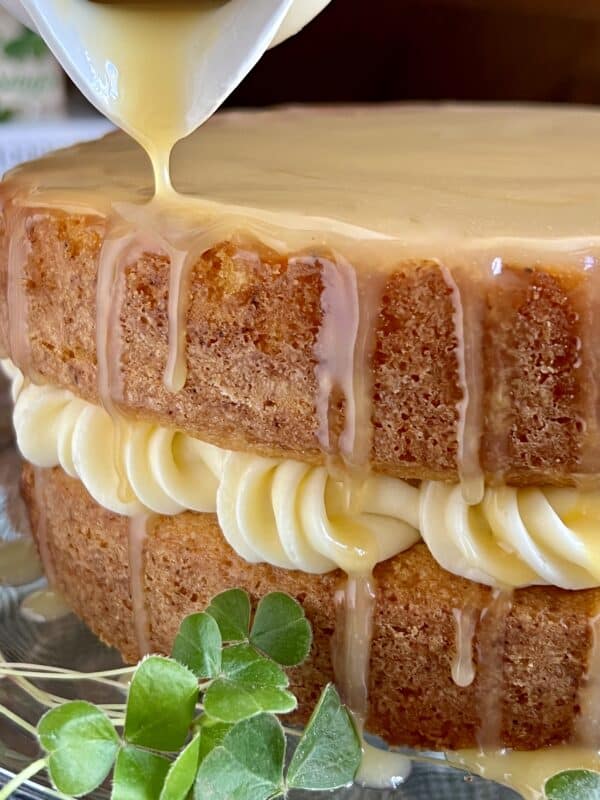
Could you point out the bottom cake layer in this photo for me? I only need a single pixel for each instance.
(530, 652)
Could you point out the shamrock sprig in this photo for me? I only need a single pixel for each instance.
(203, 723)
(573, 784)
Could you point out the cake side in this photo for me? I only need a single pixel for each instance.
(252, 323)
(448, 333)
(535, 673)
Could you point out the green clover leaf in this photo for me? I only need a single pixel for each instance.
(281, 629)
(182, 772)
(329, 752)
(231, 611)
(82, 744)
(576, 784)
(228, 702)
(198, 645)
(248, 765)
(250, 684)
(243, 664)
(161, 703)
(212, 734)
(139, 774)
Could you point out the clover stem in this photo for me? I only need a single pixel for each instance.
(196, 722)
(40, 695)
(292, 732)
(51, 675)
(14, 783)
(22, 666)
(22, 723)
(113, 710)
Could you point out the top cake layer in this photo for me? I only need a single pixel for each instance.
(415, 287)
(425, 175)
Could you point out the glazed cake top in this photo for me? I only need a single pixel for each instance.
(481, 176)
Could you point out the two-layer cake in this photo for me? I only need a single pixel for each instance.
(373, 345)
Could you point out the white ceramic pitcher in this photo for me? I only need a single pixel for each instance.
(299, 15)
(249, 28)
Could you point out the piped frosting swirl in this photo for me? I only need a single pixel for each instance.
(516, 536)
(295, 516)
(283, 512)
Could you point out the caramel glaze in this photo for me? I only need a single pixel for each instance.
(589, 350)
(17, 221)
(118, 245)
(463, 668)
(587, 730)
(350, 302)
(490, 649)
(351, 645)
(468, 331)
(139, 529)
(344, 348)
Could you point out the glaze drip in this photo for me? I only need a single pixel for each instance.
(350, 303)
(117, 247)
(334, 352)
(17, 306)
(184, 247)
(499, 413)
(463, 668)
(351, 646)
(468, 331)
(138, 533)
(587, 727)
(176, 367)
(490, 660)
(589, 349)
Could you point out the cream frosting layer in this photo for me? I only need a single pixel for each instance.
(295, 516)
(283, 512)
(515, 537)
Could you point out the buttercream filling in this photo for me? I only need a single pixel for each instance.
(294, 515)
